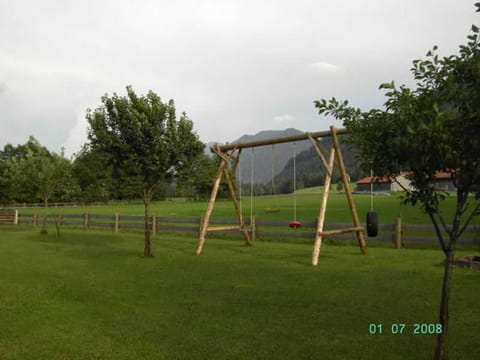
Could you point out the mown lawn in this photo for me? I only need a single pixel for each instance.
(387, 207)
(90, 295)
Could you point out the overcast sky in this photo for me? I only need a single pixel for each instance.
(235, 67)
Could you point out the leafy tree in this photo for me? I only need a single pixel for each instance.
(39, 175)
(9, 187)
(435, 127)
(144, 141)
(94, 176)
(196, 179)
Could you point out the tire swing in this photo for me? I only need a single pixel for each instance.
(295, 224)
(372, 216)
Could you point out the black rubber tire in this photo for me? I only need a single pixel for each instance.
(372, 224)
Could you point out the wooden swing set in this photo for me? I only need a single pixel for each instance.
(229, 158)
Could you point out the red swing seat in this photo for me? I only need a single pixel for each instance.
(295, 224)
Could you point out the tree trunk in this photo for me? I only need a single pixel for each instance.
(44, 231)
(440, 348)
(148, 244)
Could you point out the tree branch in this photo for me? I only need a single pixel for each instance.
(439, 233)
(444, 224)
(403, 187)
(469, 218)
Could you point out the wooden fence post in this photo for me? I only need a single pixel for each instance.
(116, 222)
(154, 224)
(253, 228)
(35, 220)
(398, 233)
(15, 219)
(85, 221)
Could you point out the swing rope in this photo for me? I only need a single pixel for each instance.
(372, 217)
(240, 189)
(252, 167)
(274, 191)
(295, 224)
(371, 189)
(294, 182)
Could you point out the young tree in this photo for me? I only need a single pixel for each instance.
(12, 186)
(435, 127)
(144, 140)
(43, 174)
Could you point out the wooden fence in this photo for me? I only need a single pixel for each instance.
(54, 204)
(8, 216)
(398, 234)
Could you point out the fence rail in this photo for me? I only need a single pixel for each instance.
(397, 234)
(8, 216)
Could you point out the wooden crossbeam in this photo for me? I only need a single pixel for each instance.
(279, 140)
(340, 231)
(223, 228)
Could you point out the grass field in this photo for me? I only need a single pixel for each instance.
(90, 295)
(308, 203)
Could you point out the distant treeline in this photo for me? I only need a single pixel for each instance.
(88, 177)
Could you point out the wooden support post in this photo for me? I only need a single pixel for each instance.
(211, 204)
(398, 233)
(348, 191)
(233, 195)
(15, 219)
(316, 147)
(116, 222)
(200, 224)
(323, 208)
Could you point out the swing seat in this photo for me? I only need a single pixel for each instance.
(271, 210)
(295, 224)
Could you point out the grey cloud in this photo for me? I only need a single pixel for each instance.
(234, 67)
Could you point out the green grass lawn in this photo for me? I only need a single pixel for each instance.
(387, 207)
(90, 295)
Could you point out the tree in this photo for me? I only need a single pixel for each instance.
(94, 176)
(144, 140)
(196, 179)
(40, 174)
(10, 189)
(435, 127)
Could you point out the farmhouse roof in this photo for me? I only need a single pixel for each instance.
(442, 175)
(374, 179)
(384, 180)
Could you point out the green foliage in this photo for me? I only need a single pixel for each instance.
(143, 139)
(432, 128)
(36, 174)
(94, 175)
(195, 180)
(435, 127)
(145, 144)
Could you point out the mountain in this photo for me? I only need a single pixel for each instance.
(267, 159)
(310, 170)
(278, 160)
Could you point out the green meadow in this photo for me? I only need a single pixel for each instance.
(91, 295)
(388, 207)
